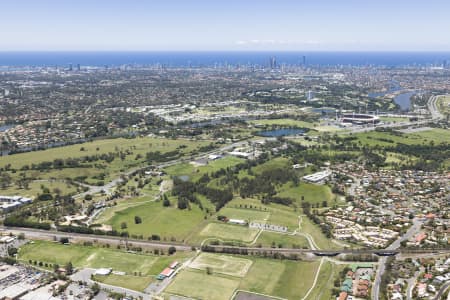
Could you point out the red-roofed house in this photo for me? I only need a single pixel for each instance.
(420, 237)
(167, 272)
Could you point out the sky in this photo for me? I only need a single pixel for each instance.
(224, 25)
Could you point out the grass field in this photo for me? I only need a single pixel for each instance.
(279, 214)
(280, 278)
(35, 188)
(199, 285)
(312, 193)
(167, 222)
(393, 119)
(132, 152)
(328, 273)
(437, 135)
(443, 104)
(384, 138)
(94, 257)
(194, 173)
(138, 145)
(137, 283)
(229, 232)
(224, 264)
(266, 239)
(244, 214)
(319, 238)
(279, 162)
(286, 279)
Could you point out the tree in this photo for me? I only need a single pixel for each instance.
(64, 240)
(95, 288)
(123, 225)
(209, 270)
(172, 250)
(12, 251)
(137, 220)
(166, 202)
(69, 268)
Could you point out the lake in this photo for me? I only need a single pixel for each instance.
(404, 100)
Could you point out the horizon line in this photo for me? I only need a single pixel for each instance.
(229, 50)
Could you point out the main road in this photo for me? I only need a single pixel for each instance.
(414, 229)
(433, 108)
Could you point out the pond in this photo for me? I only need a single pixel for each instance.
(282, 132)
(184, 177)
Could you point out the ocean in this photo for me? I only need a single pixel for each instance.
(202, 59)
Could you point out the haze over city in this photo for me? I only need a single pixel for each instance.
(326, 25)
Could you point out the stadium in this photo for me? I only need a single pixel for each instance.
(359, 118)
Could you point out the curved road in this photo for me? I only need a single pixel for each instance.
(442, 291)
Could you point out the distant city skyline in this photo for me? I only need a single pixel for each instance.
(234, 25)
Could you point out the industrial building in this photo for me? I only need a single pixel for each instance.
(317, 177)
(9, 203)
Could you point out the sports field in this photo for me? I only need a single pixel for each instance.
(280, 278)
(286, 279)
(199, 285)
(224, 264)
(137, 283)
(229, 232)
(93, 257)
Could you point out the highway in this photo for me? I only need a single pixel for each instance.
(433, 108)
